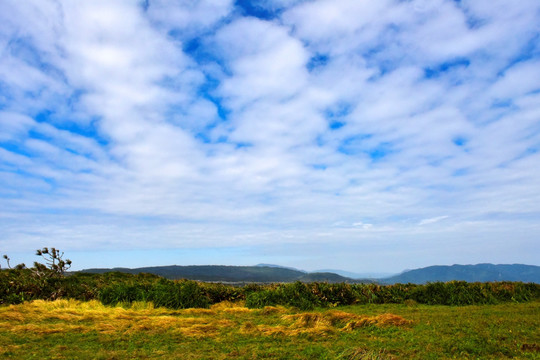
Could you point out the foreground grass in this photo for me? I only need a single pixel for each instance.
(68, 329)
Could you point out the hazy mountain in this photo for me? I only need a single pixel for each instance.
(470, 273)
(279, 266)
(354, 275)
(259, 273)
(266, 273)
(325, 277)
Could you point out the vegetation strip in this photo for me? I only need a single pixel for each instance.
(49, 282)
(19, 285)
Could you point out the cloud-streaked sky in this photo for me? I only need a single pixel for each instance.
(362, 135)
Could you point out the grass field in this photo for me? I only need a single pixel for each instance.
(70, 329)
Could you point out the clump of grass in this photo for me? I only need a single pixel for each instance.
(249, 328)
(339, 318)
(308, 320)
(365, 354)
(382, 320)
(199, 312)
(231, 307)
(271, 310)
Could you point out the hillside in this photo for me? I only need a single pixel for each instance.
(326, 277)
(215, 273)
(470, 273)
(354, 275)
(258, 273)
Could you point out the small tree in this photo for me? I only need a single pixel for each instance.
(54, 265)
(17, 267)
(54, 262)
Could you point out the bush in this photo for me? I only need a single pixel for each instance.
(164, 293)
(123, 293)
(262, 298)
(366, 293)
(296, 294)
(178, 295)
(219, 292)
(333, 294)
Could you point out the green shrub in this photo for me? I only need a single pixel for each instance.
(219, 292)
(299, 295)
(333, 294)
(296, 294)
(262, 298)
(123, 293)
(178, 295)
(366, 293)
(163, 293)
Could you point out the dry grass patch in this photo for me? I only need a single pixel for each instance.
(70, 316)
(343, 320)
(48, 317)
(382, 320)
(271, 310)
(321, 324)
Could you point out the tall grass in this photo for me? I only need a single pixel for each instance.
(163, 293)
(17, 286)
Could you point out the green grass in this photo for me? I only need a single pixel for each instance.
(70, 329)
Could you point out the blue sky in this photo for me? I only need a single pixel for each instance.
(369, 136)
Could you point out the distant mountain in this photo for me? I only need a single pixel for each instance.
(267, 273)
(325, 277)
(215, 273)
(470, 273)
(353, 275)
(259, 273)
(279, 266)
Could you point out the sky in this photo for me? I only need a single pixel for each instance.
(362, 135)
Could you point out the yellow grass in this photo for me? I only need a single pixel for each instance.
(68, 329)
(62, 316)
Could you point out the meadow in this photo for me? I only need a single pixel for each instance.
(70, 329)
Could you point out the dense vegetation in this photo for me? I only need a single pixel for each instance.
(19, 285)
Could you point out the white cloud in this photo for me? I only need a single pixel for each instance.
(362, 225)
(14, 125)
(264, 60)
(520, 79)
(189, 16)
(192, 125)
(432, 220)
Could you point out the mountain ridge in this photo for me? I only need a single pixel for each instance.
(266, 273)
(230, 273)
(484, 272)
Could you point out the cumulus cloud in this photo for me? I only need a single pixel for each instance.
(210, 123)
